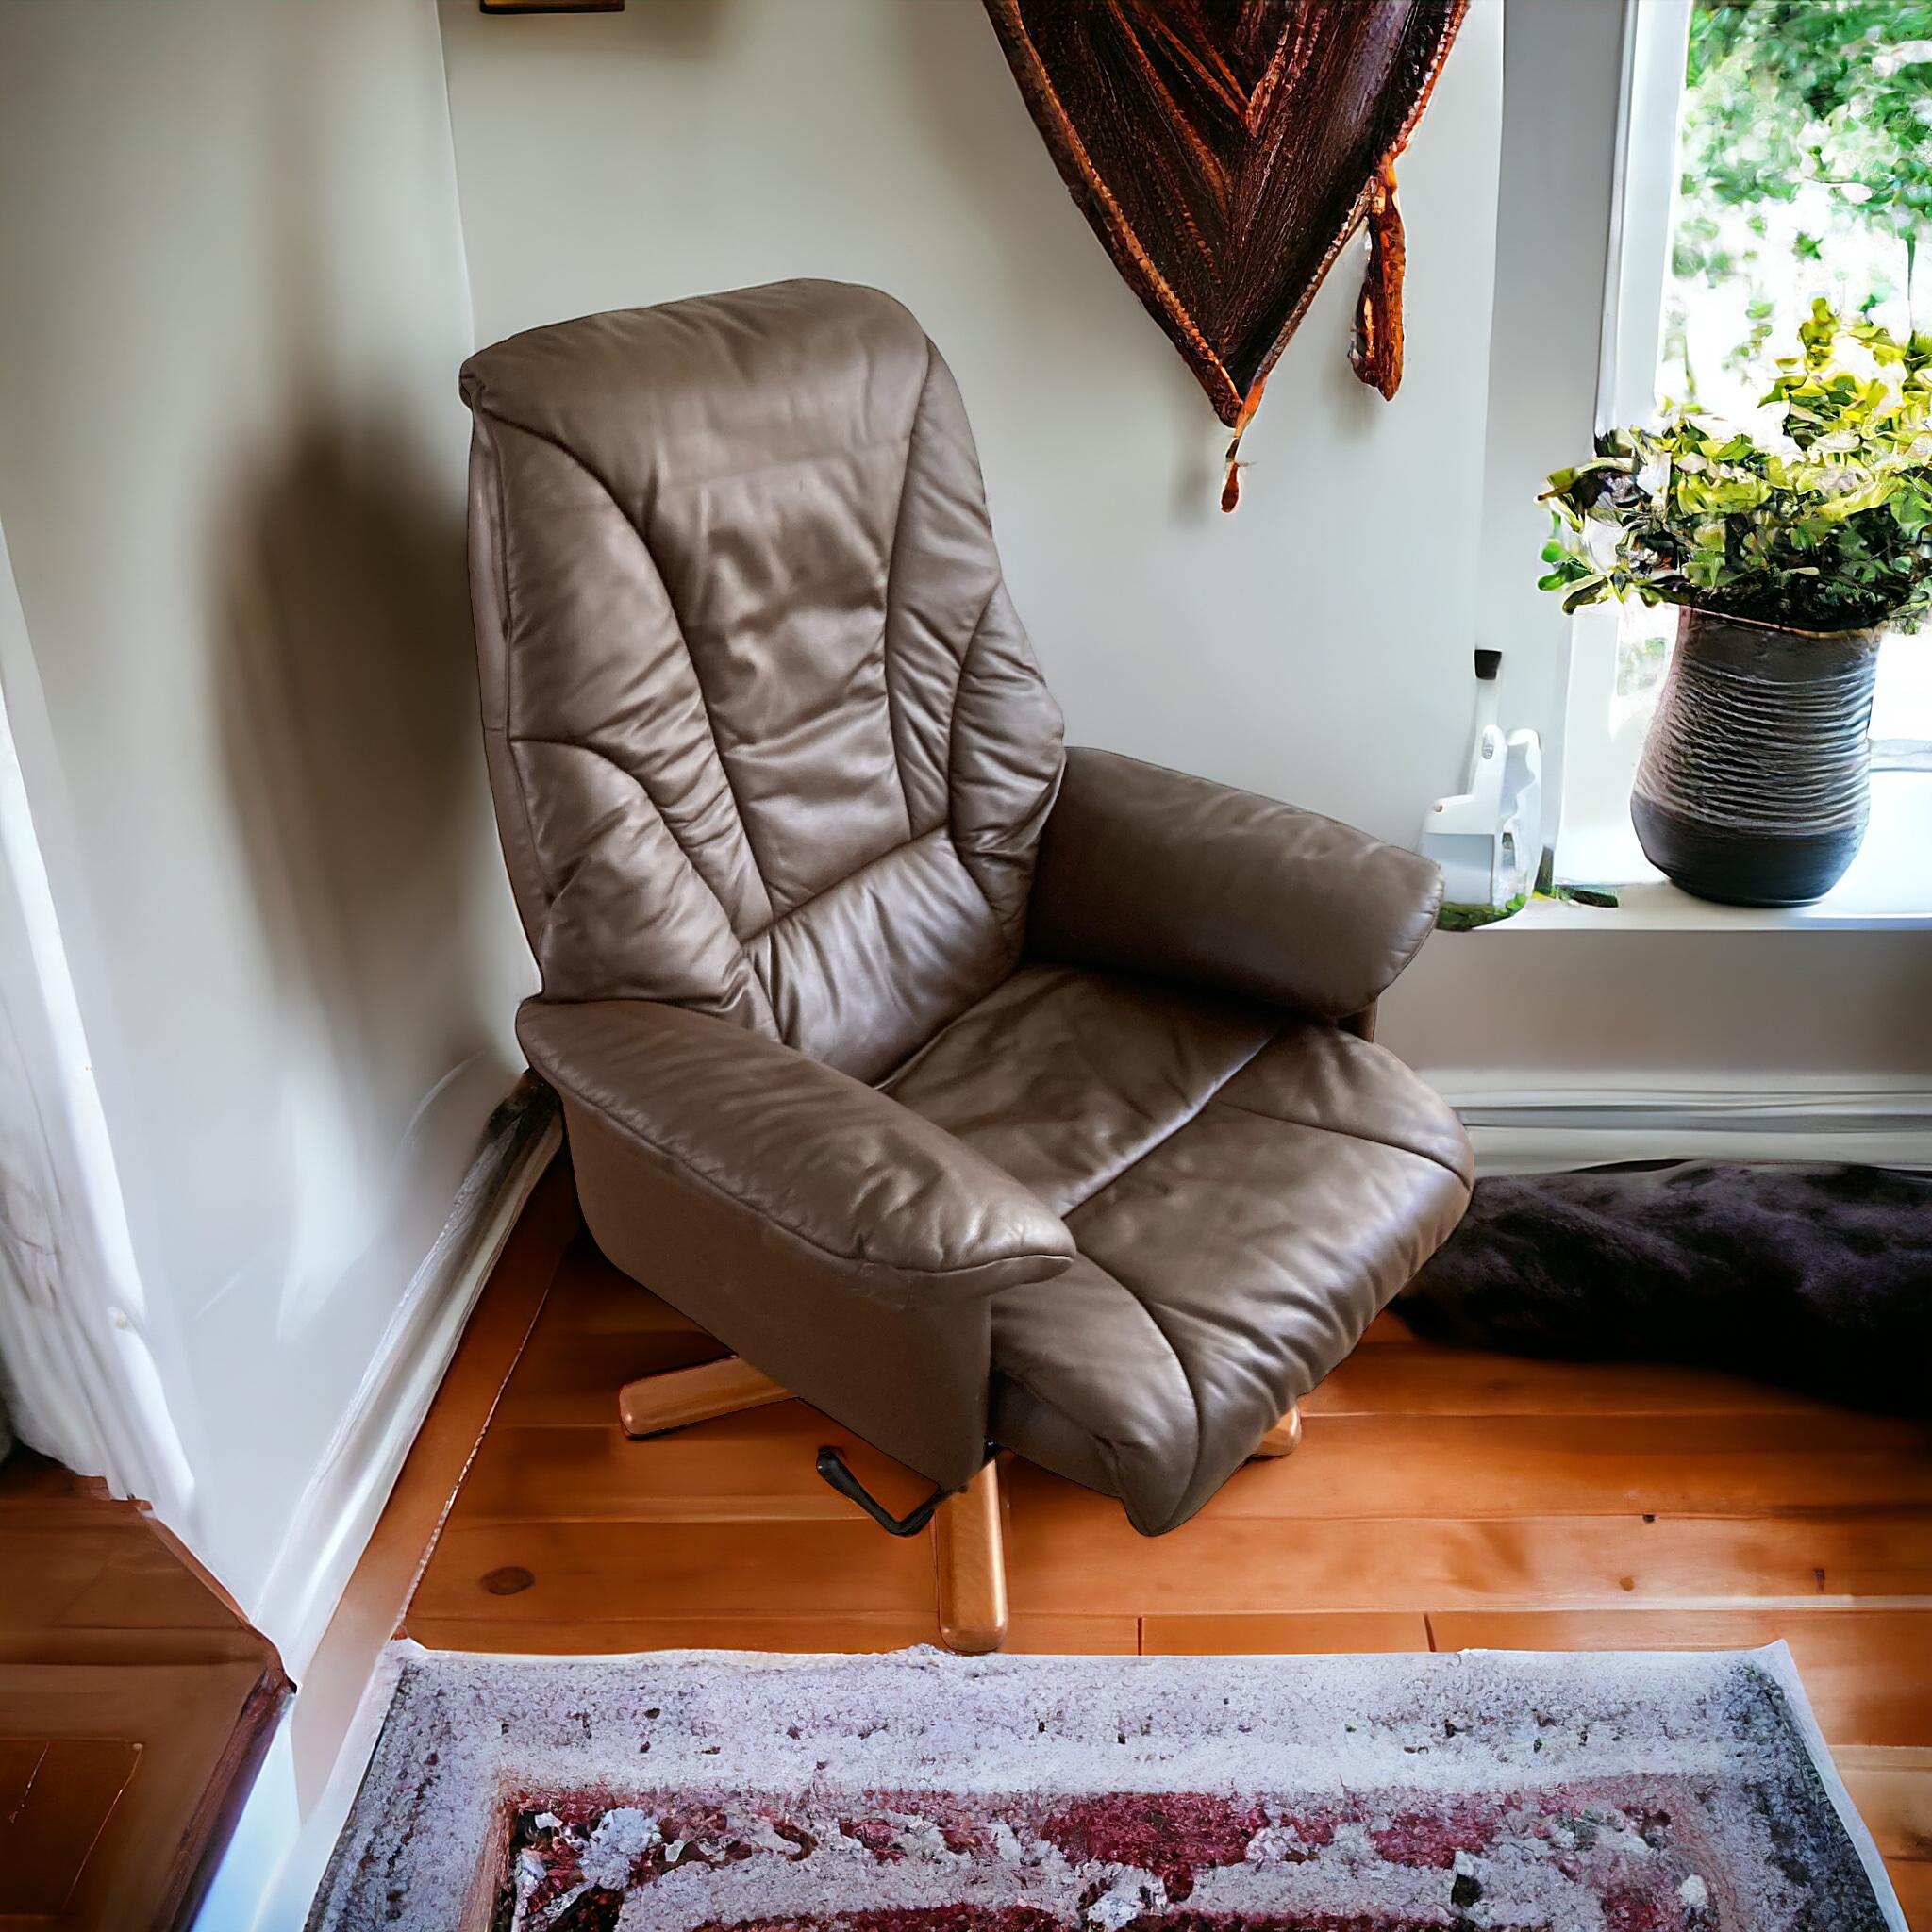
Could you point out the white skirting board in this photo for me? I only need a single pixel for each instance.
(339, 1509)
(1545, 1131)
(261, 1881)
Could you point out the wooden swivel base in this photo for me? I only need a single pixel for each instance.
(968, 1544)
(1285, 1438)
(657, 1402)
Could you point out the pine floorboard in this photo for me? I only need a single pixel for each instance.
(1442, 1499)
(135, 1704)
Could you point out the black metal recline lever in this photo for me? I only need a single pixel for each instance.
(833, 1467)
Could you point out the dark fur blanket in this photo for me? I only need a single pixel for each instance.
(1816, 1277)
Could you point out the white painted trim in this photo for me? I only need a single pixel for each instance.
(1599, 763)
(278, 1852)
(1551, 1150)
(1588, 1122)
(1643, 205)
(345, 1497)
(1769, 1096)
(1563, 104)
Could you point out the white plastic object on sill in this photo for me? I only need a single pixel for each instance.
(1488, 838)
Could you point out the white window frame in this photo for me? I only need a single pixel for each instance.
(1596, 842)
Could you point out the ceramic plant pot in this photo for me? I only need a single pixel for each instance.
(1755, 784)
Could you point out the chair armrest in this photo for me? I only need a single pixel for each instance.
(748, 1141)
(1149, 871)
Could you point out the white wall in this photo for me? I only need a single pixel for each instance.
(232, 305)
(1316, 643)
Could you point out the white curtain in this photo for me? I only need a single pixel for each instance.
(75, 1361)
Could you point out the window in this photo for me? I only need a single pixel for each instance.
(1772, 151)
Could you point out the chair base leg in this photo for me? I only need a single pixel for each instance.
(968, 1550)
(655, 1403)
(1285, 1438)
(970, 1566)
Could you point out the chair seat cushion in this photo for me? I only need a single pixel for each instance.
(1247, 1189)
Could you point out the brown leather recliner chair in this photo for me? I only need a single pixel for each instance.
(976, 1093)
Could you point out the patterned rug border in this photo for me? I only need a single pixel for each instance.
(764, 1677)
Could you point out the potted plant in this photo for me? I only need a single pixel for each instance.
(1791, 554)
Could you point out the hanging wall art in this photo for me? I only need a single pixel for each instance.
(1225, 150)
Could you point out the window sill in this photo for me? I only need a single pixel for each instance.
(1888, 888)
(1657, 905)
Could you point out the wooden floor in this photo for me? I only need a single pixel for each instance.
(1439, 1500)
(134, 1704)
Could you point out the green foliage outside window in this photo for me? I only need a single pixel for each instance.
(1818, 110)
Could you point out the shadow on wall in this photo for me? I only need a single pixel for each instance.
(347, 700)
(346, 696)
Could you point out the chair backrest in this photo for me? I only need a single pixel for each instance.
(765, 736)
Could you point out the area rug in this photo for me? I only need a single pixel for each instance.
(922, 1792)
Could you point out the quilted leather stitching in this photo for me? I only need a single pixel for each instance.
(554, 889)
(1125, 1280)
(891, 1273)
(951, 747)
(508, 620)
(1181, 1126)
(573, 456)
(724, 763)
(886, 628)
(753, 939)
(973, 863)
(1289, 1120)
(968, 661)
(1126, 1283)
(1160, 1328)
(1216, 1100)
(1109, 1449)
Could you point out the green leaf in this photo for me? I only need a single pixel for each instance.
(1715, 515)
